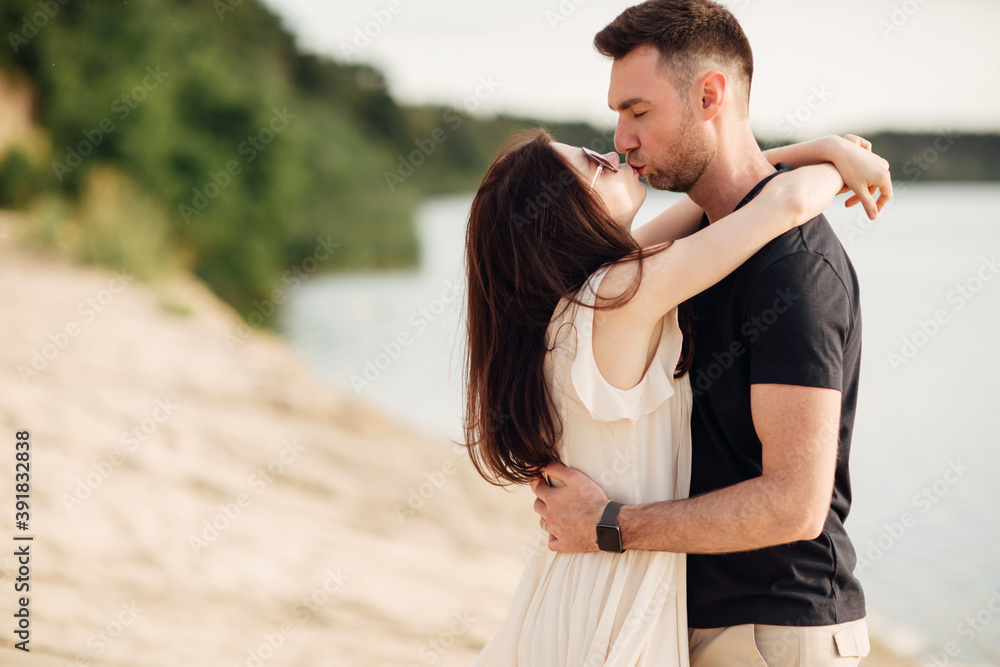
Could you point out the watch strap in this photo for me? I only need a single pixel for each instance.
(610, 516)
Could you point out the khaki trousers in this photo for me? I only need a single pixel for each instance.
(841, 645)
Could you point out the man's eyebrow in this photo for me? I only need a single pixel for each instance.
(629, 103)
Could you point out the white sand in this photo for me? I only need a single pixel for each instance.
(330, 517)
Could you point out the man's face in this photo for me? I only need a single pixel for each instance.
(657, 125)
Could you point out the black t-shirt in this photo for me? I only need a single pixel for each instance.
(790, 315)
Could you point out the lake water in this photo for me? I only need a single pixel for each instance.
(926, 455)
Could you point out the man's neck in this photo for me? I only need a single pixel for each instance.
(734, 172)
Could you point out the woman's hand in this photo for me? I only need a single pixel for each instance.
(863, 171)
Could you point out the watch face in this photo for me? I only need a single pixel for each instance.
(609, 538)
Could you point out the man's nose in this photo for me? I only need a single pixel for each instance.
(625, 142)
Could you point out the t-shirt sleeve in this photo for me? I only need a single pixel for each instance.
(797, 323)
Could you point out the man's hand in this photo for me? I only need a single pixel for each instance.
(569, 513)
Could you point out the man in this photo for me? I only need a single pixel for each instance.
(775, 374)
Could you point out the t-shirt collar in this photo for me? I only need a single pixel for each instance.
(780, 167)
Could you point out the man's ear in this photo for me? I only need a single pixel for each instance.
(711, 90)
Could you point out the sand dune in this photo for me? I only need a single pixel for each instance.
(196, 505)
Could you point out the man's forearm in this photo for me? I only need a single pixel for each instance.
(750, 515)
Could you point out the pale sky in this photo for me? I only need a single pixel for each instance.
(862, 65)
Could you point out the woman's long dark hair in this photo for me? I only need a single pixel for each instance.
(535, 235)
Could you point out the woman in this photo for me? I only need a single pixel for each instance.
(576, 354)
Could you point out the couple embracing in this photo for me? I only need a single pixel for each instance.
(680, 397)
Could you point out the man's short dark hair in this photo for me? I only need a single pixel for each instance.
(687, 33)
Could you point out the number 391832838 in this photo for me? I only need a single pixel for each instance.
(22, 480)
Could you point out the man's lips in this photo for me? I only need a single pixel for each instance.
(638, 168)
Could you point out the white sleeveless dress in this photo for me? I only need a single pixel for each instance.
(615, 610)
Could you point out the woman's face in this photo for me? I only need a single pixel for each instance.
(622, 192)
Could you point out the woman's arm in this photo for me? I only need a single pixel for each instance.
(814, 151)
(851, 155)
(693, 264)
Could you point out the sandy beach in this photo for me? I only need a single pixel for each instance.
(196, 504)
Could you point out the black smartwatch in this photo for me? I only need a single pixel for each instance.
(609, 535)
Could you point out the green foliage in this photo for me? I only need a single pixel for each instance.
(17, 179)
(239, 150)
(464, 144)
(115, 224)
(120, 226)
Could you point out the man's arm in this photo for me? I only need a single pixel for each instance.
(790, 501)
(798, 428)
(794, 367)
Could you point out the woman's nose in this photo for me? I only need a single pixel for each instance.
(613, 158)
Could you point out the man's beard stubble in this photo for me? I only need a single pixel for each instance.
(686, 162)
